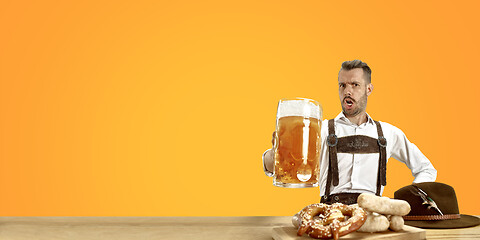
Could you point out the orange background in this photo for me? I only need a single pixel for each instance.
(164, 108)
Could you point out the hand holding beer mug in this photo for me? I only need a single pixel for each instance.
(297, 143)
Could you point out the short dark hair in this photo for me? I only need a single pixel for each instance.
(349, 65)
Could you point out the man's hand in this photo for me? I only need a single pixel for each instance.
(268, 160)
(269, 157)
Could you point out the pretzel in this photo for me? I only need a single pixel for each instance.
(383, 205)
(321, 220)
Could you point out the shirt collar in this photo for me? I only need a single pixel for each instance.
(342, 118)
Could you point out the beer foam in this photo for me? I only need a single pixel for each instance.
(300, 107)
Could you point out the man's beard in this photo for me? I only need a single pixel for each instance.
(360, 106)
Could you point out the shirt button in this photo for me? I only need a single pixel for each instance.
(336, 198)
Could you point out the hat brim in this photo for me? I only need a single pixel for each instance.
(463, 222)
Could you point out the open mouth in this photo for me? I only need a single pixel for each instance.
(348, 101)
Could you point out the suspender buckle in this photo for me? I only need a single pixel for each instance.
(332, 140)
(382, 141)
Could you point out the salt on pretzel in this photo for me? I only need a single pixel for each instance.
(383, 205)
(321, 220)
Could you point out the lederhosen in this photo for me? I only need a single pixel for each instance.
(353, 144)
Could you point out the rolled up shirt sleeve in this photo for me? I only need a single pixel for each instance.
(405, 151)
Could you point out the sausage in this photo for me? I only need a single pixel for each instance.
(383, 205)
(396, 223)
(375, 223)
(296, 220)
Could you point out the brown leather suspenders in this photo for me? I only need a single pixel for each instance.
(332, 142)
(382, 164)
(355, 144)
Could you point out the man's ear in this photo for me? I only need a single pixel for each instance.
(369, 89)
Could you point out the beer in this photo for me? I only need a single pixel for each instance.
(297, 145)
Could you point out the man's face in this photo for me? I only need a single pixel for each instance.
(353, 91)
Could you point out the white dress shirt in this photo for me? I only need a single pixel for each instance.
(358, 172)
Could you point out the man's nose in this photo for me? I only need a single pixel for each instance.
(348, 91)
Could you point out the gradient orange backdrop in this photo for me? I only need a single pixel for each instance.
(163, 108)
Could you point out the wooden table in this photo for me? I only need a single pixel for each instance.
(118, 228)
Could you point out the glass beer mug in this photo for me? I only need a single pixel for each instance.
(297, 143)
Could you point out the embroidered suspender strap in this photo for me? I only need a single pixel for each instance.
(382, 163)
(357, 144)
(332, 141)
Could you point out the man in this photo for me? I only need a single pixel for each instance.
(355, 148)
